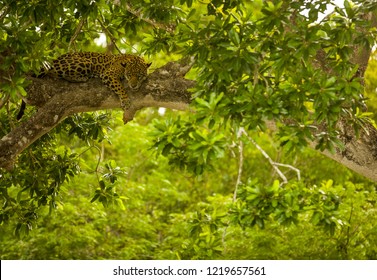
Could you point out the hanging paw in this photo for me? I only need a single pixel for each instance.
(128, 115)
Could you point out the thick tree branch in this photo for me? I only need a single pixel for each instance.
(57, 99)
(360, 153)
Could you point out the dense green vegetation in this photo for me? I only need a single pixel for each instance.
(178, 185)
(168, 214)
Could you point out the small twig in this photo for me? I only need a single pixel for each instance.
(78, 29)
(138, 14)
(240, 164)
(4, 12)
(239, 176)
(100, 155)
(4, 100)
(282, 176)
(112, 39)
(290, 167)
(273, 163)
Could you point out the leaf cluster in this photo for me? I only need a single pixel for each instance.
(188, 146)
(254, 61)
(257, 204)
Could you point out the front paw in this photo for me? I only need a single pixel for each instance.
(128, 116)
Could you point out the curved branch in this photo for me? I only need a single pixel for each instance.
(360, 153)
(57, 99)
(167, 27)
(78, 30)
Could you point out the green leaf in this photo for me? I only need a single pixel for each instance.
(102, 184)
(234, 37)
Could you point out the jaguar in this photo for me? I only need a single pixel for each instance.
(111, 69)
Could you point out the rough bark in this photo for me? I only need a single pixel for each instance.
(57, 99)
(360, 153)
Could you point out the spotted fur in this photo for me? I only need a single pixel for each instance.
(112, 69)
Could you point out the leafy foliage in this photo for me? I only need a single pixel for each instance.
(94, 189)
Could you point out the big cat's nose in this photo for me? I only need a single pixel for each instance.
(133, 82)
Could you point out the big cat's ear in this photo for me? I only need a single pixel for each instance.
(149, 64)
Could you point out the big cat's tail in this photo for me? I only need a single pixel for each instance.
(42, 73)
(22, 110)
